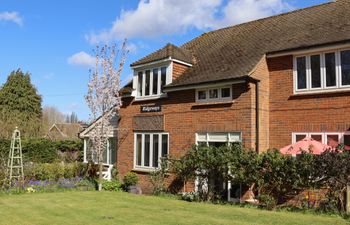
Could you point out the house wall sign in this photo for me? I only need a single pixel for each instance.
(151, 108)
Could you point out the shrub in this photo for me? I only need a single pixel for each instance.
(190, 196)
(157, 178)
(112, 185)
(130, 179)
(267, 202)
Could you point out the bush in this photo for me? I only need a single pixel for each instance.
(54, 171)
(190, 196)
(267, 202)
(45, 151)
(112, 185)
(130, 179)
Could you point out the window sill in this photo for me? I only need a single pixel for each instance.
(144, 170)
(141, 99)
(198, 103)
(324, 92)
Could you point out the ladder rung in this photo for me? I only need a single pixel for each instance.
(16, 166)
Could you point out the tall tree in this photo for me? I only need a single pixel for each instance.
(103, 97)
(20, 105)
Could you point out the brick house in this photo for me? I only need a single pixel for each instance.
(264, 83)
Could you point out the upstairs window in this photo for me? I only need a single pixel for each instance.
(150, 82)
(214, 94)
(330, 70)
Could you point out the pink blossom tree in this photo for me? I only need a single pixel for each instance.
(103, 97)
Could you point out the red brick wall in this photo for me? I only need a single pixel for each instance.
(261, 73)
(178, 69)
(305, 113)
(183, 118)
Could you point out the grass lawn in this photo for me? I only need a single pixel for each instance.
(122, 208)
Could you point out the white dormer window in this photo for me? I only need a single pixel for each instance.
(151, 81)
(322, 71)
(214, 94)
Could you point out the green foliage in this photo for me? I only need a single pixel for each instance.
(157, 178)
(272, 176)
(44, 150)
(112, 185)
(20, 105)
(130, 179)
(54, 171)
(267, 201)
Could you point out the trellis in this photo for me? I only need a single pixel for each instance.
(15, 161)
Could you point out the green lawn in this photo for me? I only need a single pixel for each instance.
(122, 208)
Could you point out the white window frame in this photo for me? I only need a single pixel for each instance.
(340, 71)
(324, 135)
(108, 153)
(150, 167)
(228, 139)
(218, 99)
(323, 88)
(142, 96)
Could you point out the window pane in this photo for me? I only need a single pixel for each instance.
(225, 92)
(330, 69)
(213, 93)
(164, 145)
(345, 67)
(317, 137)
(147, 150)
(301, 72)
(155, 150)
(299, 137)
(347, 141)
(217, 144)
(147, 84)
(162, 78)
(155, 82)
(138, 149)
(112, 150)
(332, 140)
(202, 144)
(202, 95)
(139, 84)
(315, 71)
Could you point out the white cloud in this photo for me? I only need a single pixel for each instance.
(154, 18)
(11, 17)
(239, 11)
(158, 17)
(82, 59)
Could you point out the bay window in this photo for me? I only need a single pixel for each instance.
(150, 82)
(330, 70)
(149, 149)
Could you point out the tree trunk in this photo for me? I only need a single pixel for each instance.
(348, 198)
(100, 176)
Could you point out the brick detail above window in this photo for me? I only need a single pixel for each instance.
(148, 123)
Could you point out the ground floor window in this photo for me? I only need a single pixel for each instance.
(217, 139)
(109, 155)
(332, 139)
(149, 148)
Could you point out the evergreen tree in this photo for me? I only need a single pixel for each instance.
(20, 105)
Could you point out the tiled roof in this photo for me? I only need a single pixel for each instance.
(167, 51)
(233, 52)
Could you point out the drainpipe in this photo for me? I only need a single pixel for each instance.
(257, 119)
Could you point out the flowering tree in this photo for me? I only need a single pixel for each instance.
(103, 97)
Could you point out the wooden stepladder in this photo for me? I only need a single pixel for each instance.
(15, 161)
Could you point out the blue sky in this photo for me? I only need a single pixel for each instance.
(53, 40)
